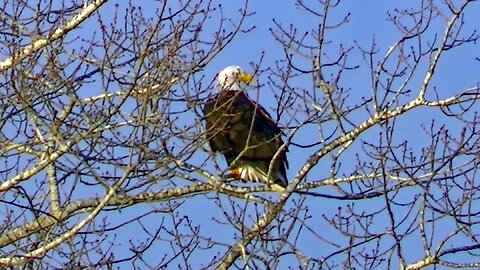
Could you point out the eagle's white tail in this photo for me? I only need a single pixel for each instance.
(255, 174)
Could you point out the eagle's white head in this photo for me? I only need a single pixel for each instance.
(233, 78)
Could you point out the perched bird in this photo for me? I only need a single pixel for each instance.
(242, 131)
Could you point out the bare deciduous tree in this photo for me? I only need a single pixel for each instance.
(106, 165)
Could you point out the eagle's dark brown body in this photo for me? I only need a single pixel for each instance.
(244, 133)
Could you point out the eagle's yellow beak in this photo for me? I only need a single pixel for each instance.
(245, 78)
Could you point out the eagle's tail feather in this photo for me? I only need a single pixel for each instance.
(255, 174)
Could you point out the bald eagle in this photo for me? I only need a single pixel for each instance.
(242, 131)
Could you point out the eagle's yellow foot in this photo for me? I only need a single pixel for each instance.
(235, 174)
